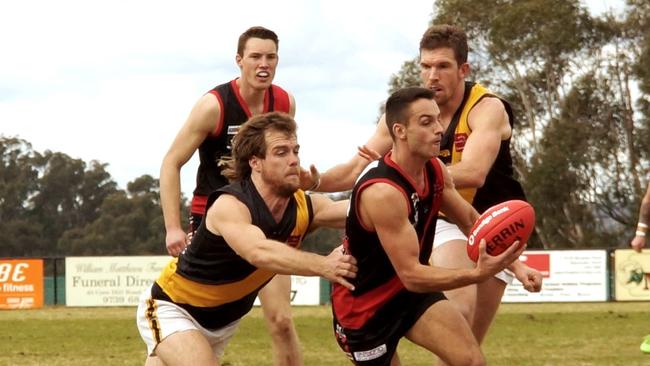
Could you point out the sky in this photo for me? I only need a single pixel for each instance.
(114, 81)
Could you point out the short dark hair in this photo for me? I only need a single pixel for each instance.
(250, 141)
(256, 32)
(446, 35)
(399, 102)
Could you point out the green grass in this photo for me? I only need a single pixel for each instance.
(523, 334)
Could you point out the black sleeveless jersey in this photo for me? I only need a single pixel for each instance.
(377, 282)
(234, 112)
(212, 282)
(500, 184)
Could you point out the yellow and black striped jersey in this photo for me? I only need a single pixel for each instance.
(209, 280)
(500, 185)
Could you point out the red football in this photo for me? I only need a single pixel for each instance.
(500, 226)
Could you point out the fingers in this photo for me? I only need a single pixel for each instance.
(368, 153)
(314, 172)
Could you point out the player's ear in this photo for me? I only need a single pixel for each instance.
(238, 59)
(399, 130)
(255, 163)
(464, 70)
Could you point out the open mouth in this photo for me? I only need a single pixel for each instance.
(263, 74)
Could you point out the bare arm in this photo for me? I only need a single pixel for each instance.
(342, 177)
(231, 219)
(328, 213)
(292, 106)
(399, 240)
(639, 241)
(454, 206)
(201, 122)
(489, 123)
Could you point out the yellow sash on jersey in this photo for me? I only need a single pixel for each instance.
(185, 291)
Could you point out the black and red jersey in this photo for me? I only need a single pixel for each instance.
(377, 282)
(234, 112)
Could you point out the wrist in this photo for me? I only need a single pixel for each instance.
(641, 229)
(316, 184)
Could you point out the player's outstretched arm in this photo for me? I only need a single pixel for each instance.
(328, 213)
(231, 219)
(342, 177)
(201, 122)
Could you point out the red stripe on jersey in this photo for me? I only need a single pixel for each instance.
(222, 112)
(281, 101)
(240, 99)
(389, 161)
(365, 185)
(353, 312)
(198, 204)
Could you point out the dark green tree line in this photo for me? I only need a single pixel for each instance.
(52, 204)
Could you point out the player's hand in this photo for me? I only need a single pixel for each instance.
(339, 267)
(368, 153)
(638, 243)
(529, 277)
(309, 178)
(488, 265)
(176, 241)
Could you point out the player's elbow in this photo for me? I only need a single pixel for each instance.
(412, 281)
(257, 258)
(477, 180)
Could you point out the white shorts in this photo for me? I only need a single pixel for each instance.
(446, 231)
(157, 319)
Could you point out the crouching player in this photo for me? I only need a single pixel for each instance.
(251, 231)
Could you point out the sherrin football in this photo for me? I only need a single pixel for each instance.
(500, 226)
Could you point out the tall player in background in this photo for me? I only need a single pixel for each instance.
(210, 127)
(476, 148)
(638, 243)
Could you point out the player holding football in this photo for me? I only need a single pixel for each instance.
(476, 147)
(396, 292)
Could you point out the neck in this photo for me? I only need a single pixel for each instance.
(448, 109)
(411, 165)
(276, 203)
(254, 98)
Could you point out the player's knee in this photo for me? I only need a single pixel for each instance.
(281, 324)
(472, 358)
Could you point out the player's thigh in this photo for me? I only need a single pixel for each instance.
(452, 254)
(186, 348)
(275, 297)
(442, 330)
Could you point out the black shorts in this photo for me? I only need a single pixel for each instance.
(376, 341)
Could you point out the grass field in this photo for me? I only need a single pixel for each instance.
(523, 334)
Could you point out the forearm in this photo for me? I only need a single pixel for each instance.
(466, 176)
(170, 198)
(280, 258)
(342, 177)
(431, 278)
(644, 217)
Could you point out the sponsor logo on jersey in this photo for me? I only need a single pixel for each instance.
(459, 141)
